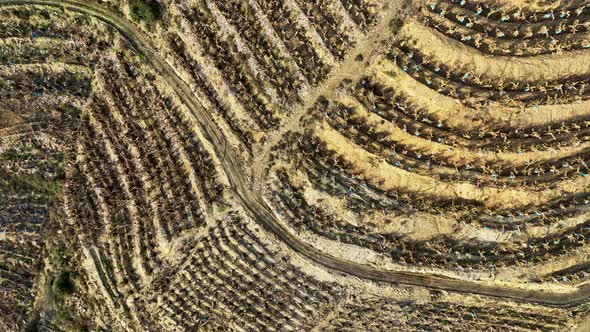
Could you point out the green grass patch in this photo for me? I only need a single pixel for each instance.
(20, 154)
(57, 287)
(31, 182)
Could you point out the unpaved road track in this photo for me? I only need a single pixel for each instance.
(235, 171)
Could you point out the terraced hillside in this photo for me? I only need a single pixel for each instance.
(294, 165)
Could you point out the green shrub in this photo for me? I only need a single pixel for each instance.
(145, 10)
(33, 325)
(63, 284)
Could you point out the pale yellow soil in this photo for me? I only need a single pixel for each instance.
(373, 43)
(536, 5)
(459, 155)
(530, 69)
(583, 325)
(455, 114)
(393, 178)
(419, 226)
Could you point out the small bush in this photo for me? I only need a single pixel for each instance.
(33, 325)
(145, 10)
(63, 284)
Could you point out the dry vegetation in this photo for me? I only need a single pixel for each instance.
(438, 139)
